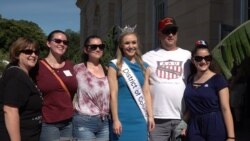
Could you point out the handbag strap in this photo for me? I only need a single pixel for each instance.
(56, 76)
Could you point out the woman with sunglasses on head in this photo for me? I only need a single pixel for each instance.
(206, 96)
(56, 80)
(20, 100)
(128, 75)
(92, 97)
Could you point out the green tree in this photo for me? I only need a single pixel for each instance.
(74, 51)
(3, 59)
(10, 30)
(111, 45)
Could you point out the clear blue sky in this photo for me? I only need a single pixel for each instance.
(48, 14)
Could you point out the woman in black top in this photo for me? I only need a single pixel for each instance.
(20, 100)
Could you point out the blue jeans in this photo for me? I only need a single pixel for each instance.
(61, 131)
(90, 128)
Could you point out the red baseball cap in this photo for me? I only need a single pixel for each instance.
(201, 43)
(167, 23)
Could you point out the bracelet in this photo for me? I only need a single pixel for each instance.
(231, 138)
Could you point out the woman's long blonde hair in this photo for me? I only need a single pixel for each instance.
(120, 54)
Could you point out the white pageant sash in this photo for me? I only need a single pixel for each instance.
(134, 87)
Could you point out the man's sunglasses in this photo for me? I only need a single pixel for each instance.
(59, 41)
(94, 47)
(169, 31)
(207, 58)
(29, 51)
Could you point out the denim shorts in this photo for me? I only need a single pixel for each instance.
(61, 131)
(89, 128)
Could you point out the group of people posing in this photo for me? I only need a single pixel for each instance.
(167, 94)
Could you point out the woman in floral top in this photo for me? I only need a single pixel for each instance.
(90, 121)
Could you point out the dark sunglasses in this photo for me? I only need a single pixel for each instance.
(29, 51)
(94, 47)
(207, 58)
(169, 31)
(59, 41)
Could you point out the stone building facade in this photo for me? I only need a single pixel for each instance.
(197, 19)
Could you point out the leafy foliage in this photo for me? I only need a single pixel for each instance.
(3, 59)
(10, 30)
(74, 51)
(233, 50)
(111, 46)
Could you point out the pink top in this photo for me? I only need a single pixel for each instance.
(93, 93)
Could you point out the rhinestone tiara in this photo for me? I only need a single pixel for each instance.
(127, 29)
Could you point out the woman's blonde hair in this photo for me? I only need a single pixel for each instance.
(120, 54)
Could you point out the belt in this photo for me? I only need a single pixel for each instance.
(102, 117)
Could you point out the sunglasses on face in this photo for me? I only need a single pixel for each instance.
(207, 58)
(59, 41)
(94, 47)
(169, 31)
(30, 52)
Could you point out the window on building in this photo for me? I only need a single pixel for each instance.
(225, 29)
(244, 10)
(248, 9)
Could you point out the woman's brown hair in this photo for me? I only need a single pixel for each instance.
(20, 44)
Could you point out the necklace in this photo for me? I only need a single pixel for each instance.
(38, 90)
(196, 85)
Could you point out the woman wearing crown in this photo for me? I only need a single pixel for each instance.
(128, 75)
